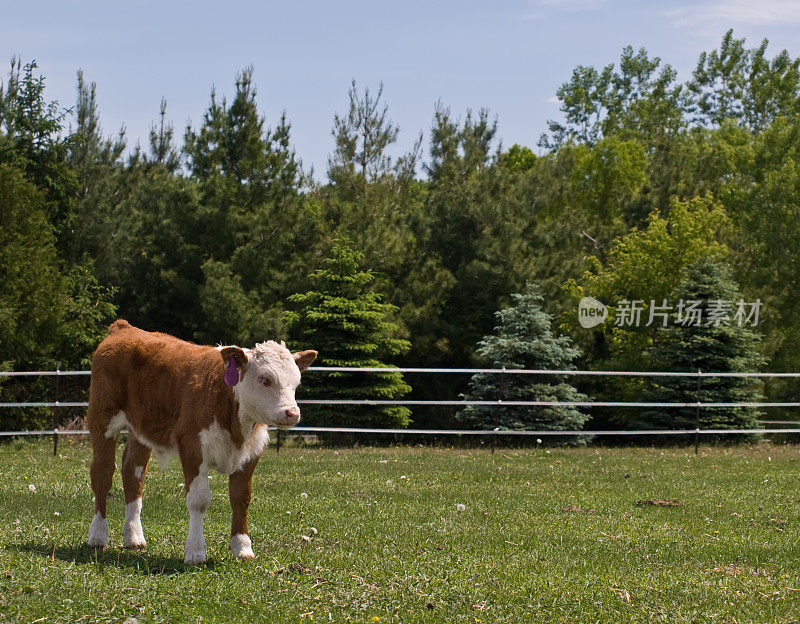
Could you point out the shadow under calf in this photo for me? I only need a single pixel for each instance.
(124, 559)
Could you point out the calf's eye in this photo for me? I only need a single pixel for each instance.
(265, 382)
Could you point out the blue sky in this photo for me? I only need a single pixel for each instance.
(507, 56)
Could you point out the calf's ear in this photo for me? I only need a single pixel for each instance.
(237, 356)
(303, 359)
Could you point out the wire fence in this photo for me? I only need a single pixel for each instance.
(497, 403)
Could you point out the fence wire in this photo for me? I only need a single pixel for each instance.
(458, 432)
(469, 371)
(463, 403)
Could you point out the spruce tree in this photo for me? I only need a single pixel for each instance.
(347, 323)
(714, 344)
(523, 339)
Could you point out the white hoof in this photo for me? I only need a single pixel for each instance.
(134, 541)
(241, 546)
(98, 532)
(195, 552)
(132, 534)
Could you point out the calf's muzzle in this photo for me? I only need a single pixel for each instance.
(290, 418)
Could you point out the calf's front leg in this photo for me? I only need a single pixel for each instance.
(239, 491)
(198, 498)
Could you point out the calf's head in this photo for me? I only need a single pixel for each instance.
(264, 380)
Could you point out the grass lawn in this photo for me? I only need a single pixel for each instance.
(544, 537)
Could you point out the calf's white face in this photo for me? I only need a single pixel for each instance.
(268, 377)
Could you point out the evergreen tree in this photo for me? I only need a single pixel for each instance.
(162, 145)
(97, 162)
(249, 221)
(363, 138)
(156, 256)
(372, 195)
(348, 325)
(32, 289)
(49, 316)
(64, 308)
(523, 339)
(468, 227)
(711, 344)
(30, 139)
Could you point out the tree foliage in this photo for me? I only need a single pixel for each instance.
(32, 288)
(350, 327)
(53, 305)
(744, 85)
(523, 339)
(208, 235)
(713, 344)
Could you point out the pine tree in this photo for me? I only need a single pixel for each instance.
(33, 292)
(523, 339)
(709, 345)
(250, 218)
(363, 138)
(348, 325)
(31, 138)
(62, 314)
(91, 226)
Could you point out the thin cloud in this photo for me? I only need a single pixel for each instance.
(540, 8)
(569, 5)
(736, 12)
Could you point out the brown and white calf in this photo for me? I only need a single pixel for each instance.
(209, 405)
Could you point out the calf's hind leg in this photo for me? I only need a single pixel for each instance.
(102, 475)
(134, 466)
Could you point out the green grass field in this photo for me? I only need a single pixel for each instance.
(544, 537)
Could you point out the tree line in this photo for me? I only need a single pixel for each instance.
(647, 189)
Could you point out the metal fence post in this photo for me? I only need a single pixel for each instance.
(53, 419)
(497, 410)
(697, 415)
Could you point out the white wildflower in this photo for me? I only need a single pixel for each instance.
(303, 495)
(305, 538)
(461, 507)
(313, 530)
(31, 487)
(56, 514)
(388, 482)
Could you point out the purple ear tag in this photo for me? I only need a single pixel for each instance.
(231, 372)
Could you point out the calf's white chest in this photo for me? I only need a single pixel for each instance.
(222, 454)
